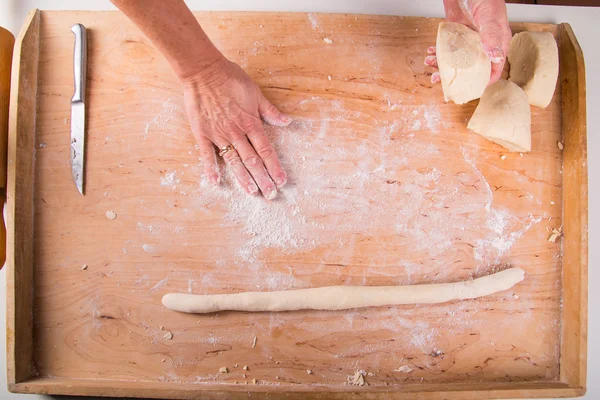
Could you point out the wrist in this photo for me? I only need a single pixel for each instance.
(202, 67)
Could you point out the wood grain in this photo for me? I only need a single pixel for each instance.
(100, 331)
(7, 42)
(575, 194)
(20, 268)
(164, 390)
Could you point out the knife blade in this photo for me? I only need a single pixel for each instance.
(78, 107)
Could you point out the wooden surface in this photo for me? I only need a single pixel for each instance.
(385, 179)
(7, 41)
(19, 246)
(575, 192)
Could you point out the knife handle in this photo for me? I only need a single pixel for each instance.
(79, 61)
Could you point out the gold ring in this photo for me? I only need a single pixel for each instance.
(224, 150)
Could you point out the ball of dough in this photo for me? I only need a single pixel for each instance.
(533, 59)
(503, 116)
(464, 67)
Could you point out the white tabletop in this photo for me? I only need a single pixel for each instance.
(585, 22)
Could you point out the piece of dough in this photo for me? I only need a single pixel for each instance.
(503, 116)
(344, 297)
(533, 59)
(464, 67)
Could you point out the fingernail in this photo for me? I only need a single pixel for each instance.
(286, 119)
(214, 179)
(270, 193)
(431, 61)
(496, 55)
(252, 188)
(280, 181)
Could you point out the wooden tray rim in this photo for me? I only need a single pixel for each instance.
(20, 368)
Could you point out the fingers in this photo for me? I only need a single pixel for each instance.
(492, 23)
(254, 165)
(431, 61)
(209, 160)
(267, 154)
(497, 69)
(232, 159)
(270, 113)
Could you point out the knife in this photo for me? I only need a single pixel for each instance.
(78, 106)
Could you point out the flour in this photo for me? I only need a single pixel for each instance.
(169, 112)
(356, 186)
(169, 179)
(312, 18)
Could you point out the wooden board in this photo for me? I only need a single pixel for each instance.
(386, 187)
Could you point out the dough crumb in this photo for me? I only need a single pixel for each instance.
(516, 296)
(254, 381)
(235, 382)
(168, 335)
(560, 145)
(503, 157)
(84, 267)
(223, 370)
(245, 383)
(254, 342)
(244, 376)
(308, 371)
(521, 154)
(327, 40)
(276, 377)
(358, 379)
(405, 368)
(245, 368)
(370, 374)
(111, 214)
(552, 202)
(329, 77)
(235, 365)
(555, 234)
(163, 360)
(162, 328)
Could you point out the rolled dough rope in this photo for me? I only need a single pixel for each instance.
(344, 297)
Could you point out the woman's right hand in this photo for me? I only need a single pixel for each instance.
(225, 108)
(489, 18)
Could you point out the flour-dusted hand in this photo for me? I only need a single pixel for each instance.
(488, 17)
(225, 108)
(223, 105)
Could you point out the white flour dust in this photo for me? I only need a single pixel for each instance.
(362, 185)
(169, 112)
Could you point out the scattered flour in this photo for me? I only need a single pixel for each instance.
(169, 112)
(169, 179)
(358, 187)
(312, 18)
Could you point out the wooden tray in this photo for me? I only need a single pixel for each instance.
(387, 187)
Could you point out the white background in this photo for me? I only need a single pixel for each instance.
(585, 22)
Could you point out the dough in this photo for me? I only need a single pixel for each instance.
(464, 67)
(533, 59)
(344, 297)
(503, 116)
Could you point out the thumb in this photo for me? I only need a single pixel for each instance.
(491, 21)
(271, 114)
